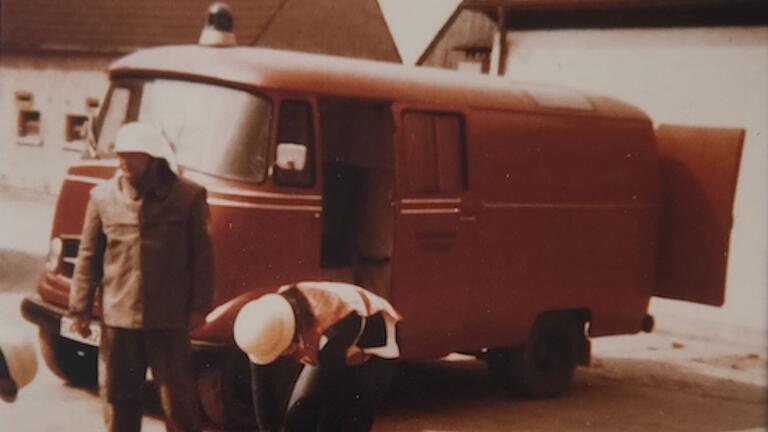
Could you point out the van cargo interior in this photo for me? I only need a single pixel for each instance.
(357, 190)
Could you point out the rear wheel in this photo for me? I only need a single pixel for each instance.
(71, 361)
(544, 364)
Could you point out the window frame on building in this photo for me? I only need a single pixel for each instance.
(29, 120)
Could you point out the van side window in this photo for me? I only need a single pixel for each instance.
(435, 152)
(295, 127)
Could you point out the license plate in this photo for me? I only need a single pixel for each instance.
(66, 331)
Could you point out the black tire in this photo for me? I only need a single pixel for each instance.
(543, 366)
(224, 388)
(224, 391)
(74, 362)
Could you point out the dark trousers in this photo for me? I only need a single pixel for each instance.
(124, 356)
(323, 398)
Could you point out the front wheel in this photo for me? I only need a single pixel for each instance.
(544, 364)
(74, 362)
(224, 390)
(225, 393)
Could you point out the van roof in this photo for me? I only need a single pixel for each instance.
(345, 77)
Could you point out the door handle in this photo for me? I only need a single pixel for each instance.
(467, 218)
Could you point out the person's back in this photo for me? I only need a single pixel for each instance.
(344, 335)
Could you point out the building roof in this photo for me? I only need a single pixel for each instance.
(261, 68)
(117, 26)
(542, 14)
(340, 27)
(353, 28)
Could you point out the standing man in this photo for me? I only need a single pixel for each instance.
(145, 245)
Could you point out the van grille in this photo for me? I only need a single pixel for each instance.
(70, 244)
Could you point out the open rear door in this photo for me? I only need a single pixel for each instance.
(699, 168)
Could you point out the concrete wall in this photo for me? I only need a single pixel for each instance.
(695, 76)
(60, 86)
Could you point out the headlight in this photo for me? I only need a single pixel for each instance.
(54, 254)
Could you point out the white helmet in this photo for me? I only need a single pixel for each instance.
(264, 328)
(136, 137)
(20, 359)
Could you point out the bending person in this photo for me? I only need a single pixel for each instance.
(345, 337)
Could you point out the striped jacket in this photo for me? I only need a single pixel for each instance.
(331, 302)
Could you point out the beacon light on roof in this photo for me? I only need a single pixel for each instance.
(218, 28)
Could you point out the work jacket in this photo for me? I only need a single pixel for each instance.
(151, 258)
(353, 323)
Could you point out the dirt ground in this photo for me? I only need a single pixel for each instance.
(693, 373)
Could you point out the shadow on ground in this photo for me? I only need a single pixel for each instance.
(19, 271)
(612, 394)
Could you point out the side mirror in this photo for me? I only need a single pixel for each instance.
(291, 156)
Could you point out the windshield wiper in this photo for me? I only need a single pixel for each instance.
(90, 139)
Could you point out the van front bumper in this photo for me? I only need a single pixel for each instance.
(48, 318)
(41, 313)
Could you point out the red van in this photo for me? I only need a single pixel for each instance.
(506, 220)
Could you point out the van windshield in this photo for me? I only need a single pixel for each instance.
(213, 129)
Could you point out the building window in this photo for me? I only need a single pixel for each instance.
(76, 127)
(474, 59)
(75, 131)
(29, 127)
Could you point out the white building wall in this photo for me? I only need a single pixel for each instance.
(60, 86)
(694, 76)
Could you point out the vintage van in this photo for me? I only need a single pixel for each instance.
(506, 220)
